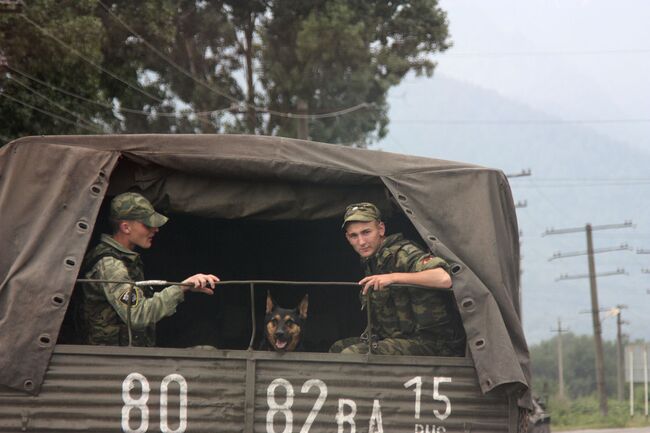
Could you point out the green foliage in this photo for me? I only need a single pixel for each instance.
(212, 65)
(584, 413)
(30, 50)
(342, 53)
(579, 366)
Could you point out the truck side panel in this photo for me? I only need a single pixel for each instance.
(104, 389)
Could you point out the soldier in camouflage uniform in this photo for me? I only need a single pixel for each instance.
(103, 311)
(406, 320)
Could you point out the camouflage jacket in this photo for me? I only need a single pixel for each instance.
(104, 305)
(405, 312)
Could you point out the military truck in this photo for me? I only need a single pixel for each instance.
(264, 214)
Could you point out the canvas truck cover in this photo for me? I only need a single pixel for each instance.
(51, 189)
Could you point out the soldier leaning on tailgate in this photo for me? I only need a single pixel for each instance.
(103, 309)
(406, 320)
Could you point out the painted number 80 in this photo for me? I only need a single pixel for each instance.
(139, 404)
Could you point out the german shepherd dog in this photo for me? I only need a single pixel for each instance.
(284, 328)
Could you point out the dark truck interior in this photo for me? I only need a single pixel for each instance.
(255, 249)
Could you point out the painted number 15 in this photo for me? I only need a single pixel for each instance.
(417, 382)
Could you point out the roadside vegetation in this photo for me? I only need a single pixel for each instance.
(583, 413)
(580, 409)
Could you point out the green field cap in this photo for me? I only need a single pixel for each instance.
(134, 207)
(361, 212)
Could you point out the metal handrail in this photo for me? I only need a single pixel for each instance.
(251, 284)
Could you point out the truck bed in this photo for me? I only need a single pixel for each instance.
(121, 389)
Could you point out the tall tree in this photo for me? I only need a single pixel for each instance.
(28, 107)
(579, 370)
(215, 65)
(184, 51)
(331, 55)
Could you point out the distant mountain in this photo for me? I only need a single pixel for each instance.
(578, 177)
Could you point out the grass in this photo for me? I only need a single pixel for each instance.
(584, 413)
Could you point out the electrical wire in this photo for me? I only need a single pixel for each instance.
(585, 185)
(56, 104)
(500, 122)
(73, 50)
(545, 53)
(109, 106)
(244, 105)
(47, 113)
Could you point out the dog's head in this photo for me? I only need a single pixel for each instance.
(284, 327)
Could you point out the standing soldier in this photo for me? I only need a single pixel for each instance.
(406, 320)
(104, 306)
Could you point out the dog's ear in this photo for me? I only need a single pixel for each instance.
(269, 302)
(302, 308)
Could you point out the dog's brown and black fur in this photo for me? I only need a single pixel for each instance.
(284, 328)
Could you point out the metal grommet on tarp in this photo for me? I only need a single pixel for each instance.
(70, 262)
(58, 299)
(456, 268)
(44, 340)
(479, 343)
(468, 304)
(82, 226)
(28, 385)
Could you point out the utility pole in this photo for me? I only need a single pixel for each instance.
(620, 361)
(520, 204)
(560, 359)
(598, 340)
(619, 351)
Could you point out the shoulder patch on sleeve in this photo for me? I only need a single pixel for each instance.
(135, 297)
(426, 259)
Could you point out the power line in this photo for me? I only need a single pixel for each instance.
(552, 231)
(591, 179)
(560, 255)
(242, 105)
(109, 106)
(619, 271)
(165, 58)
(47, 113)
(518, 122)
(73, 50)
(584, 185)
(56, 104)
(545, 53)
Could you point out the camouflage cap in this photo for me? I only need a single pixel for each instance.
(134, 207)
(361, 212)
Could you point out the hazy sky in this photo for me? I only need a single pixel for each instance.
(582, 61)
(577, 59)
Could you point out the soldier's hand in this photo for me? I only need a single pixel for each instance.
(204, 283)
(376, 282)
